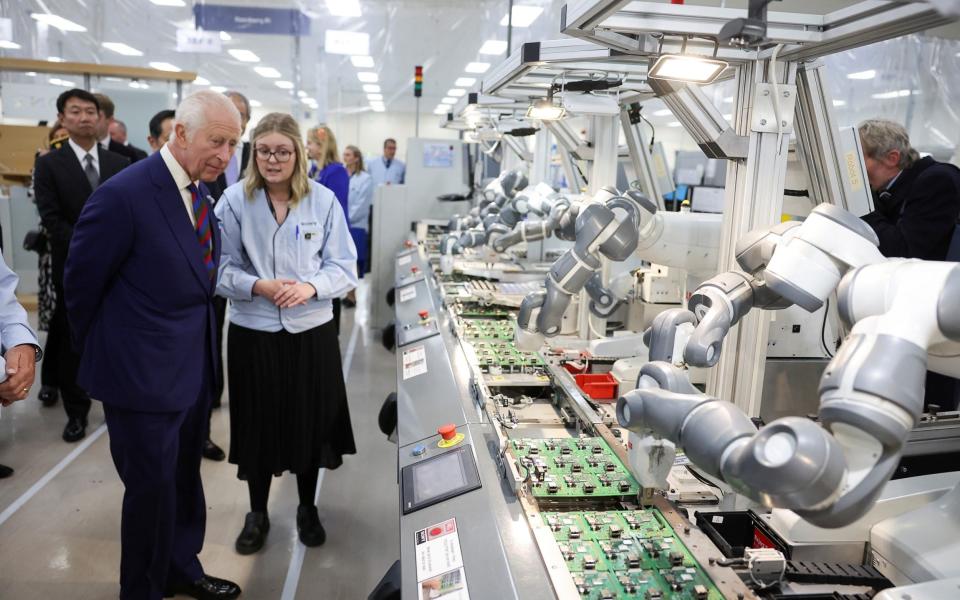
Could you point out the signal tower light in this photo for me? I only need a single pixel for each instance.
(417, 81)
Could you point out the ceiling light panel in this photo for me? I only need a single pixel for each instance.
(868, 74)
(371, 88)
(163, 66)
(477, 67)
(255, 103)
(58, 22)
(362, 62)
(465, 81)
(493, 47)
(268, 72)
(169, 2)
(243, 55)
(201, 81)
(456, 92)
(368, 77)
(121, 48)
(375, 97)
(284, 85)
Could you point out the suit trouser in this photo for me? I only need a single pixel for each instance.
(76, 402)
(157, 456)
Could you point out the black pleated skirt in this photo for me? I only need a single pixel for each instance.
(288, 402)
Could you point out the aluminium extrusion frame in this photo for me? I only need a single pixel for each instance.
(635, 27)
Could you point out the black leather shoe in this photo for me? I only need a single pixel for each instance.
(254, 534)
(5, 471)
(205, 588)
(75, 430)
(213, 451)
(309, 527)
(48, 395)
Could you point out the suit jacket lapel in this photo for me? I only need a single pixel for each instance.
(170, 201)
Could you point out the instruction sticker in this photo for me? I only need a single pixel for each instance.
(414, 362)
(440, 572)
(403, 260)
(408, 293)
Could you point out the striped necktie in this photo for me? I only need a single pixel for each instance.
(201, 212)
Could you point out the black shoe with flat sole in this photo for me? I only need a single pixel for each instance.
(256, 526)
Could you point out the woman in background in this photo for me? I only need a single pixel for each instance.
(286, 253)
(358, 213)
(328, 172)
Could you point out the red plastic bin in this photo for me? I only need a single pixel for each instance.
(601, 387)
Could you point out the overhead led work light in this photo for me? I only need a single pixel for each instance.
(545, 110)
(684, 67)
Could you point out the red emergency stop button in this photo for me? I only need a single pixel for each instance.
(423, 314)
(448, 431)
(414, 269)
(407, 244)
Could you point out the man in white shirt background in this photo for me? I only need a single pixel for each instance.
(387, 169)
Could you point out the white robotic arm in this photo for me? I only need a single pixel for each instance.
(871, 393)
(606, 226)
(684, 240)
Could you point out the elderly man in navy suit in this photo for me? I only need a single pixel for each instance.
(139, 285)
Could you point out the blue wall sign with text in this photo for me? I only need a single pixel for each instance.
(245, 19)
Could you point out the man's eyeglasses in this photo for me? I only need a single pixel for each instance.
(282, 155)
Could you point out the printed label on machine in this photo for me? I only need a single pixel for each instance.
(408, 293)
(440, 571)
(414, 362)
(403, 260)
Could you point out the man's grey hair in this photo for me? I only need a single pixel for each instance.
(196, 109)
(880, 136)
(241, 97)
(121, 124)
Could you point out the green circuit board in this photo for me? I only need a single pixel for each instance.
(488, 329)
(475, 309)
(573, 468)
(500, 357)
(628, 554)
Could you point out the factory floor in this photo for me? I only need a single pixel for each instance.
(60, 511)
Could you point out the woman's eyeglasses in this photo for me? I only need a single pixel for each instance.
(282, 155)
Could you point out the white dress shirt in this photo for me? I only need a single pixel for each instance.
(182, 180)
(82, 155)
(105, 142)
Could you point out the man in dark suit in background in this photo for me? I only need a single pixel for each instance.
(107, 110)
(118, 133)
(917, 205)
(161, 127)
(63, 180)
(140, 283)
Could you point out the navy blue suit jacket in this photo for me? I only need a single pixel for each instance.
(138, 296)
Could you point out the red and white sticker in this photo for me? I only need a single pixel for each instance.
(414, 362)
(440, 572)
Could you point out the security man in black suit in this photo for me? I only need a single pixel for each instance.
(118, 134)
(107, 110)
(917, 207)
(63, 180)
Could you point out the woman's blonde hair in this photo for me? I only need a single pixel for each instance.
(328, 144)
(359, 155)
(284, 124)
